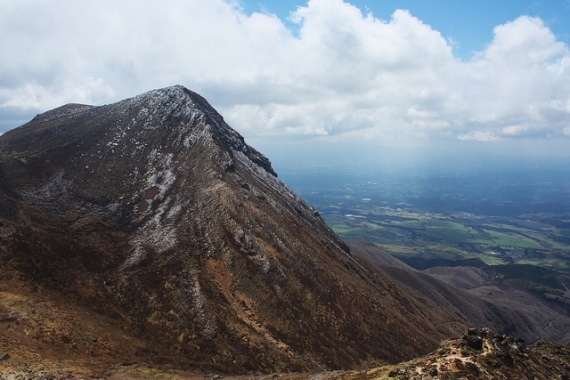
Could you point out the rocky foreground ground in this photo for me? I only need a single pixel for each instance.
(479, 354)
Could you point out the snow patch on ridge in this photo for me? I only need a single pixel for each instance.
(196, 297)
(57, 187)
(157, 209)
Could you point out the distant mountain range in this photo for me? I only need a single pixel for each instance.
(148, 232)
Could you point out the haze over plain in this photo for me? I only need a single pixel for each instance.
(310, 82)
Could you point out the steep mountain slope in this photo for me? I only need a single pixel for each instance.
(150, 224)
(470, 294)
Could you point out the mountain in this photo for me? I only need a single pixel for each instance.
(148, 231)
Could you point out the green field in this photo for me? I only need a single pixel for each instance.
(512, 221)
(432, 237)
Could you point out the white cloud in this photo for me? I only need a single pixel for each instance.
(478, 135)
(343, 75)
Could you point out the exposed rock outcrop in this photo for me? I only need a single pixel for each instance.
(484, 354)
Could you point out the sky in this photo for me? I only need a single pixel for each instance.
(310, 82)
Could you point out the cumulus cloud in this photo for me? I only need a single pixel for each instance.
(341, 74)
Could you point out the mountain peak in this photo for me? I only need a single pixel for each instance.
(175, 101)
(172, 118)
(177, 105)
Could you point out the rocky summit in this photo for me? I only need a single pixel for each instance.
(146, 239)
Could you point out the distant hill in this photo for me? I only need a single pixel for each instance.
(475, 295)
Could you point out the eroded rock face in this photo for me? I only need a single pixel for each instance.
(155, 212)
